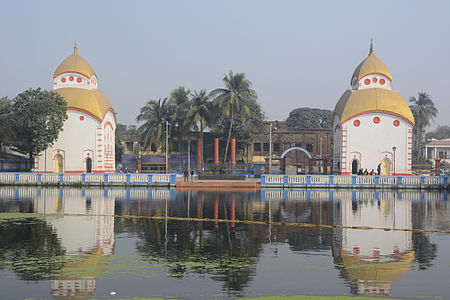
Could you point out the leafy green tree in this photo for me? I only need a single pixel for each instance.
(154, 115)
(424, 111)
(311, 118)
(5, 114)
(37, 119)
(233, 99)
(200, 112)
(120, 130)
(440, 133)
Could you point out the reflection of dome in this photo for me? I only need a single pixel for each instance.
(74, 63)
(374, 278)
(91, 101)
(355, 102)
(371, 65)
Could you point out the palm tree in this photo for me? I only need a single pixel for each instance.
(233, 99)
(200, 113)
(179, 105)
(424, 111)
(154, 115)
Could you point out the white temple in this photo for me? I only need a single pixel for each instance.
(372, 124)
(86, 143)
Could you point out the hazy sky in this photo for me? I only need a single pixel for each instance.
(296, 53)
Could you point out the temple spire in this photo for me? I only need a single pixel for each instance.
(371, 46)
(75, 48)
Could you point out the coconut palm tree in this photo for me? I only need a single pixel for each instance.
(200, 113)
(424, 111)
(154, 115)
(179, 105)
(233, 99)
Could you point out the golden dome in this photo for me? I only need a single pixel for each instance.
(355, 102)
(371, 65)
(74, 63)
(359, 269)
(93, 102)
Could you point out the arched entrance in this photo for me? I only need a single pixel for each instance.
(309, 160)
(88, 165)
(355, 167)
(386, 166)
(58, 163)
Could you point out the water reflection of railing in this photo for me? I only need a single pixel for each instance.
(119, 193)
(311, 195)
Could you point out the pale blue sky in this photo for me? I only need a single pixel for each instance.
(296, 53)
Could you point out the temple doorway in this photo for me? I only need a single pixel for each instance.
(58, 163)
(355, 166)
(88, 165)
(386, 167)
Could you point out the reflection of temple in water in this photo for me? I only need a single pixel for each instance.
(370, 261)
(86, 239)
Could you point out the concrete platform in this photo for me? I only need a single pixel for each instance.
(219, 185)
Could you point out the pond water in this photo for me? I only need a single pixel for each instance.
(66, 242)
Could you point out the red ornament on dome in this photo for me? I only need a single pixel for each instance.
(71, 78)
(367, 81)
(63, 79)
(396, 123)
(382, 81)
(79, 80)
(81, 118)
(356, 123)
(376, 120)
(374, 80)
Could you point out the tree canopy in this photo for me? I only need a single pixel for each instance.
(312, 118)
(234, 99)
(5, 115)
(36, 121)
(440, 133)
(154, 115)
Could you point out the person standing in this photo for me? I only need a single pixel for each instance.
(379, 169)
(186, 175)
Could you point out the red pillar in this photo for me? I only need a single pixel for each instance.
(216, 151)
(438, 167)
(233, 151)
(139, 164)
(199, 154)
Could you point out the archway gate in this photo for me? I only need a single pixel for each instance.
(282, 160)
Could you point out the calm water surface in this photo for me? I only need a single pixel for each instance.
(61, 243)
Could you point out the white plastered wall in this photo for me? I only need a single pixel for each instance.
(374, 142)
(77, 137)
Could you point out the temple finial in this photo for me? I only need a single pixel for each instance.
(75, 48)
(371, 46)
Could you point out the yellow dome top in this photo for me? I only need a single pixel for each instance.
(355, 102)
(371, 65)
(75, 63)
(93, 102)
(359, 269)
